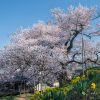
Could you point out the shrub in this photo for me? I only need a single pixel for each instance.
(36, 96)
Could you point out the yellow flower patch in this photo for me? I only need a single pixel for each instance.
(93, 86)
(77, 79)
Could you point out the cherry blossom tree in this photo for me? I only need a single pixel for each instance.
(46, 50)
(74, 22)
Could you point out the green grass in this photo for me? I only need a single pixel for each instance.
(8, 98)
(28, 95)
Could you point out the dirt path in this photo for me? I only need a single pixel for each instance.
(20, 98)
(23, 97)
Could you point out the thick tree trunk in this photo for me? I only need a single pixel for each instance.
(62, 79)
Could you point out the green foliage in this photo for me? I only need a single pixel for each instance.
(8, 98)
(56, 93)
(52, 94)
(36, 96)
(82, 88)
(78, 89)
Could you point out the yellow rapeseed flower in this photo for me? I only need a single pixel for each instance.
(98, 71)
(83, 77)
(74, 81)
(93, 85)
(78, 78)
